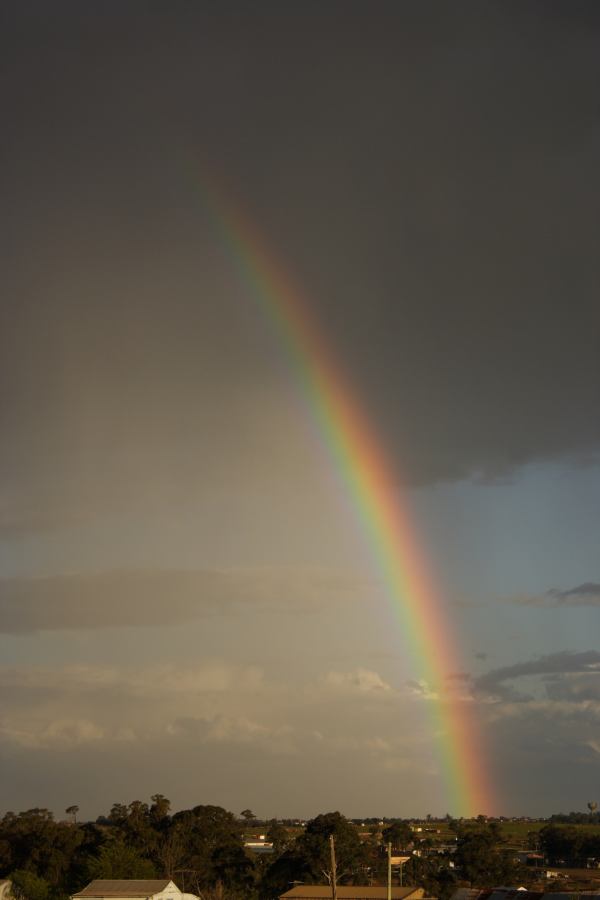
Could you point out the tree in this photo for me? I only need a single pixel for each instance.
(138, 830)
(290, 866)
(72, 811)
(480, 862)
(313, 848)
(233, 869)
(160, 808)
(92, 838)
(495, 830)
(248, 816)
(117, 814)
(434, 875)
(209, 834)
(117, 859)
(28, 886)
(33, 841)
(279, 837)
(399, 834)
(568, 843)
(171, 852)
(308, 858)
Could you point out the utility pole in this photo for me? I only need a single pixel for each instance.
(333, 868)
(389, 871)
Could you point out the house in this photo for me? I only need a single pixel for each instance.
(132, 889)
(351, 892)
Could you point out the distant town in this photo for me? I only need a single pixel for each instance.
(144, 851)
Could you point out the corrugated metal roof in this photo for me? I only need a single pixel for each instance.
(124, 887)
(350, 892)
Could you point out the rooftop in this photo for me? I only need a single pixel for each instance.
(350, 892)
(124, 887)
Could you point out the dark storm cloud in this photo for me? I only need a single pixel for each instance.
(158, 598)
(429, 172)
(493, 683)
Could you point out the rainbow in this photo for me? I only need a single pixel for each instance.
(359, 457)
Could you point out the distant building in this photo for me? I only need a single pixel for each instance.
(351, 892)
(132, 889)
(521, 893)
(259, 846)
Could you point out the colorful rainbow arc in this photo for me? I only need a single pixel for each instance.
(360, 459)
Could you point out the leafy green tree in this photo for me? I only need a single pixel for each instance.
(28, 886)
(118, 859)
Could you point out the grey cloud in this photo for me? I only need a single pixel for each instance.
(235, 730)
(586, 594)
(576, 687)
(493, 683)
(43, 706)
(162, 597)
(532, 743)
(164, 680)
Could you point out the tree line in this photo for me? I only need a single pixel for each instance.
(569, 845)
(202, 850)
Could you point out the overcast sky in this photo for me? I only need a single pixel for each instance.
(187, 604)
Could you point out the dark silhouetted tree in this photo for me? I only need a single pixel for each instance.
(399, 834)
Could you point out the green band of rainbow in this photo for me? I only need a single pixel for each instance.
(359, 457)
